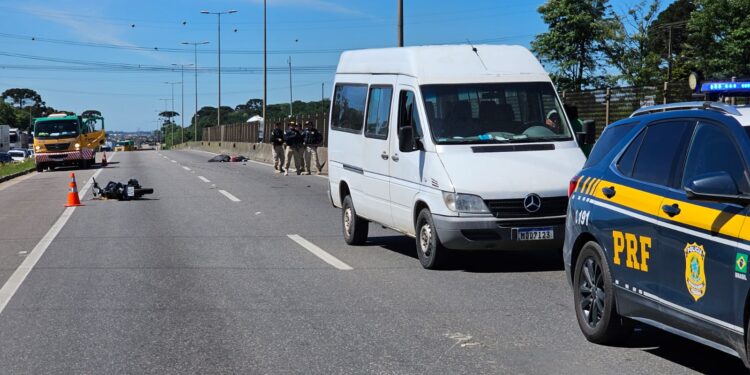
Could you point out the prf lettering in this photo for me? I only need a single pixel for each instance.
(635, 249)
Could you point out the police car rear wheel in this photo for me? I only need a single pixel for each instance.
(432, 254)
(355, 228)
(594, 298)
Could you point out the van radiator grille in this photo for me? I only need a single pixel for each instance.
(513, 208)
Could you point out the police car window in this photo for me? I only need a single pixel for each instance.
(348, 112)
(605, 143)
(713, 151)
(378, 112)
(627, 161)
(663, 144)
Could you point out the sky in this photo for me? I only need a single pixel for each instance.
(116, 56)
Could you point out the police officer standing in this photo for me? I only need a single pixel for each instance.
(277, 140)
(312, 139)
(293, 140)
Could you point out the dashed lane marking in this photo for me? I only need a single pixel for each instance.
(320, 253)
(186, 168)
(204, 179)
(229, 195)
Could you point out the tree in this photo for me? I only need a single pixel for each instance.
(19, 97)
(628, 50)
(719, 38)
(671, 23)
(574, 43)
(7, 114)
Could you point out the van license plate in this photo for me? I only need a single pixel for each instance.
(533, 234)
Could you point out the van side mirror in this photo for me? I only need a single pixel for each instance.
(406, 140)
(588, 136)
(717, 187)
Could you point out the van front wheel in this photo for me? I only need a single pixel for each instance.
(432, 254)
(355, 228)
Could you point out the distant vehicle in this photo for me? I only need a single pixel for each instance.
(462, 147)
(18, 155)
(62, 139)
(5, 158)
(126, 145)
(18, 139)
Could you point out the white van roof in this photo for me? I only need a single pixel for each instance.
(447, 63)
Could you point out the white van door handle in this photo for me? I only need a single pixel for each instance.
(384, 156)
(394, 157)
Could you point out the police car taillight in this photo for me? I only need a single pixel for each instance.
(573, 185)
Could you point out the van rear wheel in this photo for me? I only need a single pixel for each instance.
(355, 228)
(432, 254)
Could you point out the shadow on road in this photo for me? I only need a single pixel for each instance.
(690, 354)
(480, 261)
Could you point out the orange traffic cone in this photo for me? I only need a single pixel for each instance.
(104, 159)
(73, 199)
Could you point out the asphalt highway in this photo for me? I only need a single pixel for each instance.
(230, 268)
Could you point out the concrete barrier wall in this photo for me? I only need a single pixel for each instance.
(261, 152)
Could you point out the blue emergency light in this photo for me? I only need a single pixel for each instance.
(725, 87)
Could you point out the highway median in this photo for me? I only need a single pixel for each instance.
(12, 170)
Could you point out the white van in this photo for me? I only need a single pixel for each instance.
(462, 147)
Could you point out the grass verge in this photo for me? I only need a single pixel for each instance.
(13, 168)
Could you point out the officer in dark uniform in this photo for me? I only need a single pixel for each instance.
(312, 139)
(277, 140)
(293, 139)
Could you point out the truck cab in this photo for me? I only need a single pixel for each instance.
(67, 140)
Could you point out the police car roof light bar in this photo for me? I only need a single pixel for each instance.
(725, 87)
(716, 106)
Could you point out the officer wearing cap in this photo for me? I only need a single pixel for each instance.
(293, 140)
(311, 140)
(277, 140)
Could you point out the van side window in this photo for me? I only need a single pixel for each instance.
(408, 115)
(348, 113)
(378, 112)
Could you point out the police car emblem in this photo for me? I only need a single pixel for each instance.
(532, 203)
(695, 275)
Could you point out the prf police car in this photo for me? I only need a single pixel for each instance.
(658, 229)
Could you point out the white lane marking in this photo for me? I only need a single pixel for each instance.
(186, 168)
(11, 286)
(229, 195)
(204, 179)
(173, 161)
(320, 253)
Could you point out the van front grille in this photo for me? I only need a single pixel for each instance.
(513, 208)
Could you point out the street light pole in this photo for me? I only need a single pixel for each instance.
(170, 117)
(291, 113)
(400, 23)
(182, 87)
(218, 14)
(195, 68)
(265, 72)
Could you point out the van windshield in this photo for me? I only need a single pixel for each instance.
(494, 113)
(56, 129)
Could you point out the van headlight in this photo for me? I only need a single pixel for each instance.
(77, 145)
(465, 203)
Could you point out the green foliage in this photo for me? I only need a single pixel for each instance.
(627, 48)
(7, 114)
(718, 44)
(575, 41)
(21, 97)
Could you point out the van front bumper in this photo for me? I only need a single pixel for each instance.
(489, 233)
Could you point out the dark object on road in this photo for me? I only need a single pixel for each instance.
(220, 159)
(239, 158)
(120, 191)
